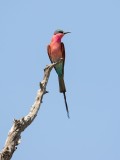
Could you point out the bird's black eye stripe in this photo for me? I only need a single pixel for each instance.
(58, 31)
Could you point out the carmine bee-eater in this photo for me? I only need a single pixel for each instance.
(56, 51)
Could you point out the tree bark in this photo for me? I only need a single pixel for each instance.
(14, 135)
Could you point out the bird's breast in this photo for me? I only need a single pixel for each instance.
(56, 52)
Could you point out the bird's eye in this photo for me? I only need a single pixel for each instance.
(58, 31)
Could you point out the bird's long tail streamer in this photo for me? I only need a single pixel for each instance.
(66, 105)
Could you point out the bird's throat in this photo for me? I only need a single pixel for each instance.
(56, 39)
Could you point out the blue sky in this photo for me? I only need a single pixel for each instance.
(91, 75)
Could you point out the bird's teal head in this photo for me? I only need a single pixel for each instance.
(59, 31)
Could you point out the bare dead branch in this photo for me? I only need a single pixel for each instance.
(14, 135)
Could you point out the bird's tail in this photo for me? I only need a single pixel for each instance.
(66, 105)
(62, 87)
(63, 90)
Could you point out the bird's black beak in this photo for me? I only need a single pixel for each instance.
(66, 32)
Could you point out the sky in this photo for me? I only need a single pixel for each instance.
(92, 78)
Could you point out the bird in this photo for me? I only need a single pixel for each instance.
(56, 51)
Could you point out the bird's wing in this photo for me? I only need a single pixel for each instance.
(63, 51)
(63, 54)
(49, 52)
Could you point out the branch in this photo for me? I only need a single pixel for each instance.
(14, 135)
